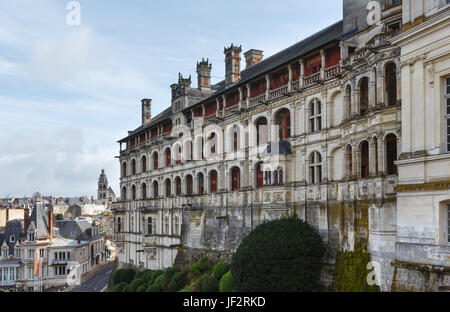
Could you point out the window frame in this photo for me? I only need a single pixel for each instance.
(315, 116)
(447, 113)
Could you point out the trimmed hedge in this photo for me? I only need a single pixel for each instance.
(185, 290)
(201, 266)
(126, 288)
(117, 276)
(178, 282)
(167, 277)
(283, 255)
(153, 288)
(210, 284)
(158, 281)
(148, 276)
(226, 283)
(220, 269)
(119, 287)
(155, 275)
(136, 283)
(127, 275)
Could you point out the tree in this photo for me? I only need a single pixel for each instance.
(280, 255)
(59, 217)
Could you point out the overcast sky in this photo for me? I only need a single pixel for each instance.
(68, 93)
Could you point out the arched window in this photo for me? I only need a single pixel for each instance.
(124, 169)
(259, 176)
(267, 178)
(133, 192)
(315, 168)
(189, 185)
(391, 84)
(168, 188)
(155, 160)
(133, 166)
(213, 181)
(188, 150)
(178, 154)
(155, 189)
(283, 121)
(278, 177)
(144, 191)
(213, 144)
(236, 139)
(349, 161)
(168, 154)
(363, 96)
(124, 194)
(348, 98)
(261, 131)
(201, 184)
(315, 119)
(144, 163)
(178, 186)
(235, 179)
(391, 154)
(364, 150)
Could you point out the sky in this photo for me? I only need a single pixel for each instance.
(68, 93)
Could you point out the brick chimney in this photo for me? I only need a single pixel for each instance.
(26, 218)
(253, 57)
(232, 64)
(50, 219)
(146, 111)
(204, 75)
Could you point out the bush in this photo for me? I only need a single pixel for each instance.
(201, 266)
(148, 276)
(155, 275)
(226, 283)
(185, 290)
(167, 277)
(158, 281)
(140, 274)
(136, 283)
(126, 288)
(351, 271)
(141, 289)
(283, 255)
(178, 282)
(220, 269)
(210, 284)
(153, 288)
(197, 284)
(119, 287)
(117, 276)
(127, 275)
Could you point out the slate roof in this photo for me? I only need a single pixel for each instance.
(82, 229)
(14, 227)
(39, 220)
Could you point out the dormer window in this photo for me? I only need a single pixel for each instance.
(5, 253)
(12, 239)
(31, 237)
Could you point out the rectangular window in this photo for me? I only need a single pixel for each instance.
(31, 254)
(149, 226)
(447, 111)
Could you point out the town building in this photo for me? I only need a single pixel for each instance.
(348, 129)
(105, 193)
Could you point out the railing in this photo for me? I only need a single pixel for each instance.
(279, 92)
(332, 71)
(312, 79)
(296, 85)
(257, 100)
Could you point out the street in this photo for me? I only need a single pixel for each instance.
(96, 282)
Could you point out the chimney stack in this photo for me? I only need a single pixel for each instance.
(50, 219)
(253, 57)
(232, 64)
(204, 75)
(26, 218)
(146, 111)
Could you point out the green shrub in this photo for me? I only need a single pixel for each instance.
(155, 275)
(167, 277)
(126, 288)
(201, 266)
(283, 255)
(141, 289)
(210, 284)
(141, 274)
(148, 276)
(226, 283)
(158, 281)
(220, 269)
(117, 276)
(197, 284)
(185, 290)
(136, 283)
(127, 275)
(153, 288)
(351, 271)
(178, 282)
(119, 287)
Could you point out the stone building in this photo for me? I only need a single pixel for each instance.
(105, 192)
(319, 129)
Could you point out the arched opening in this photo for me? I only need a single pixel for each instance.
(259, 175)
(168, 154)
(133, 192)
(391, 84)
(155, 160)
(364, 150)
(315, 168)
(391, 154)
(315, 118)
(363, 96)
(178, 155)
(133, 166)
(235, 179)
(144, 191)
(278, 177)
(168, 188)
(235, 143)
(144, 163)
(155, 189)
(213, 181)
(283, 121)
(189, 185)
(178, 186)
(213, 144)
(188, 148)
(348, 99)
(124, 194)
(124, 169)
(261, 131)
(201, 183)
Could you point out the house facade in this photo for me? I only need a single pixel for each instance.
(333, 129)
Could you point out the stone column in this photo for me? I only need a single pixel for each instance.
(267, 86)
(358, 162)
(302, 74)
(373, 90)
(248, 94)
(354, 162)
(329, 114)
(224, 103)
(372, 159)
(380, 88)
(218, 107)
(381, 155)
(289, 67)
(330, 167)
(240, 97)
(293, 119)
(322, 70)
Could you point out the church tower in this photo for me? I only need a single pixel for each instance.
(102, 192)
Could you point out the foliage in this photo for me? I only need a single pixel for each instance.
(117, 275)
(155, 275)
(147, 276)
(201, 266)
(185, 290)
(141, 289)
(127, 275)
(178, 282)
(59, 217)
(226, 283)
(136, 283)
(119, 287)
(280, 255)
(351, 271)
(220, 269)
(167, 277)
(141, 274)
(210, 284)
(126, 288)
(158, 280)
(153, 288)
